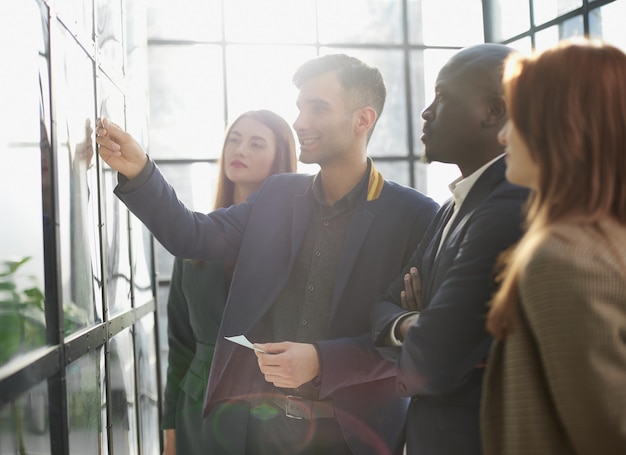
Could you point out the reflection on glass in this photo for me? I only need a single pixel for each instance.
(147, 391)
(76, 182)
(445, 22)
(84, 404)
(109, 29)
(118, 283)
(545, 10)
(358, 21)
(22, 320)
(24, 425)
(117, 260)
(269, 21)
(78, 16)
(141, 264)
(607, 23)
(121, 407)
(186, 107)
(390, 131)
(136, 68)
(509, 18)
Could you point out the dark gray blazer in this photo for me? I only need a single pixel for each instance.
(264, 236)
(439, 363)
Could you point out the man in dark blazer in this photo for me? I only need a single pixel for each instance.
(312, 254)
(432, 318)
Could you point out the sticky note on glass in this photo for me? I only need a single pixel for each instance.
(243, 341)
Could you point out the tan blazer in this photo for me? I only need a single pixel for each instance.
(557, 385)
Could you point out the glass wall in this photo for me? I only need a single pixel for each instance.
(78, 370)
(538, 24)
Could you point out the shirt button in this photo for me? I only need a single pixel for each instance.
(305, 322)
(325, 223)
(311, 287)
(318, 253)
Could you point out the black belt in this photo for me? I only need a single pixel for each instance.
(302, 408)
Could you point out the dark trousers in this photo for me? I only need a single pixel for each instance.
(239, 427)
(271, 432)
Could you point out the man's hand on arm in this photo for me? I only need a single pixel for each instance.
(288, 364)
(411, 297)
(410, 300)
(119, 150)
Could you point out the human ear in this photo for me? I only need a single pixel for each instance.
(496, 111)
(365, 119)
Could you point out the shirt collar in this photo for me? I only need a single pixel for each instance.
(461, 186)
(372, 178)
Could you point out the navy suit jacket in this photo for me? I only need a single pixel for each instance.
(439, 363)
(264, 235)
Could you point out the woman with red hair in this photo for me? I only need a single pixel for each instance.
(556, 376)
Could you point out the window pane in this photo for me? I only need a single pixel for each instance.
(420, 170)
(136, 69)
(198, 20)
(607, 23)
(77, 15)
(395, 171)
(260, 77)
(123, 424)
(440, 175)
(269, 21)
(147, 391)
(510, 18)
(551, 36)
(523, 45)
(186, 101)
(23, 157)
(425, 66)
(142, 264)
(83, 403)
(546, 10)
(117, 259)
(389, 137)
(77, 182)
(445, 22)
(360, 21)
(433, 178)
(109, 28)
(24, 423)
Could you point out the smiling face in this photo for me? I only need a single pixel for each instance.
(324, 127)
(521, 168)
(249, 153)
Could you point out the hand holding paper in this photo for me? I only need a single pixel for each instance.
(243, 341)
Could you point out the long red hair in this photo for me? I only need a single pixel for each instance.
(569, 105)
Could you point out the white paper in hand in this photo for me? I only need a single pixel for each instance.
(243, 341)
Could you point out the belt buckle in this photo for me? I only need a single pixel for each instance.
(297, 408)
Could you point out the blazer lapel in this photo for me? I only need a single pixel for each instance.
(479, 192)
(431, 250)
(360, 224)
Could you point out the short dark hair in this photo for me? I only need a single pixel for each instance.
(363, 84)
